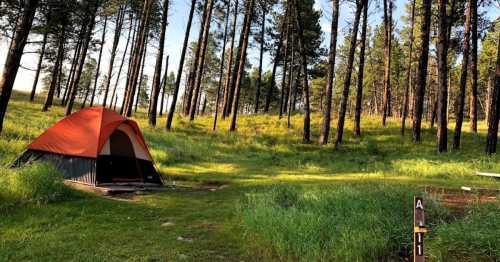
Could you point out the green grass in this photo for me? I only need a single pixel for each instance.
(353, 203)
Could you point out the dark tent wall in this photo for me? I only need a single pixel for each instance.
(77, 169)
(91, 172)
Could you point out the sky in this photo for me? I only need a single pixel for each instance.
(178, 15)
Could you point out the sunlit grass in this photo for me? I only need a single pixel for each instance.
(262, 153)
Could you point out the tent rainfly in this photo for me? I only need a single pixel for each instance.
(95, 146)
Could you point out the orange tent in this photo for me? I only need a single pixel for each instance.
(95, 145)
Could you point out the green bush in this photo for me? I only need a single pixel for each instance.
(38, 183)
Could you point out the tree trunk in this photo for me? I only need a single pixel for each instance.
(116, 40)
(171, 112)
(347, 80)
(473, 98)
(71, 75)
(39, 66)
(59, 74)
(327, 112)
(241, 56)
(459, 110)
(87, 29)
(494, 115)
(141, 76)
(408, 85)
(272, 83)
(14, 55)
(261, 56)
(221, 71)
(386, 104)
(155, 92)
(225, 102)
(285, 63)
(188, 93)
(290, 82)
(442, 98)
(137, 57)
(359, 91)
(97, 72)
(306, 137)
(418, 103)
(114, 95)
(201, 60)
(55, 71)
(87, 91)
(163, 87)
(129, 69)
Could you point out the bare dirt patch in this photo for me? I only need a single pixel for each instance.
(458, 199)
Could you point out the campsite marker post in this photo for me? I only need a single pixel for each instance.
(419, 230)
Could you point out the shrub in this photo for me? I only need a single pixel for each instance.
(38, 183)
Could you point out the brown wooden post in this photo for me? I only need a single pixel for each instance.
(419, 230)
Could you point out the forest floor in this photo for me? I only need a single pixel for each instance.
(260, 193)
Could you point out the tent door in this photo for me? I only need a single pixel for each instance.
(121, 164)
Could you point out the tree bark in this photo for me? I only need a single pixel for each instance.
(327, 112)
(306, 137)
(39, 66)
(88, 28)
(130, 64)
(261, 56)
(386, 104)
(14, 55)
(442, 57)
(347, 80)
(460, 104)
(418, 103)
(188, 93)
(201, 60)
(113, 94)
(272, 83)
(136, 58)
(473, 97)
(221, 71)
(55, 71)
(163, 87)
(71, 75)
(141, 76)
(116, 40)
(225, 102)
(290, 82)
(171, 112)
(494, 115)
(359, 91)
(155, 92)
(285, 63)
(241, 56)
(97, 73)
(408, 85)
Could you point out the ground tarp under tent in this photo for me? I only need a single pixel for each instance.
(95, 146)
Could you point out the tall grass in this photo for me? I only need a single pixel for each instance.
(38, 183)
(348, 222)
(476, 235)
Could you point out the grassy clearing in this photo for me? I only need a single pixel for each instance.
(349, 204)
